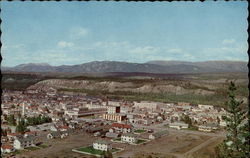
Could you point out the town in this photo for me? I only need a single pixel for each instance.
(34, 116)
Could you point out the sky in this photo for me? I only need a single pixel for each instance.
(68, 33)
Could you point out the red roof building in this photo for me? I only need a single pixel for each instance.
(118, 125)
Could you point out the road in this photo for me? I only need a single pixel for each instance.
(159, 127)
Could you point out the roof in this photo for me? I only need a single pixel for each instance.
(101, 142)
(118, 125)
(111, 135)
(31, 132)
(64, 127)
(129, 135)
(26, 139)
(13, 134)
(6, 146)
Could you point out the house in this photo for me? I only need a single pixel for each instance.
(96, 134)
(102, 145)
(54, 135)
(206, 107)
(94, 129)
(53, 128)
(178, 125)
(21, 143)
(6, 148)
(223, 123)
(33, 128)
(123, 128)
(207, 127)
(63, 128)
(129, 138)
(30, 134)
(158, 134)
(111, 135)
(13, 136)
(57, 134)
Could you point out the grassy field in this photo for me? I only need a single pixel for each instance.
(117, 139)
(32, 148)
(140, 131)
(91, 150)
(140, 141)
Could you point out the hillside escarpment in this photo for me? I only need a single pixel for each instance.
(113, 86)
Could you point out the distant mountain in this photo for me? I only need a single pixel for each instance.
(162, 67)
(220, 66)
(31, 67)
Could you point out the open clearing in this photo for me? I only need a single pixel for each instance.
(174, 145)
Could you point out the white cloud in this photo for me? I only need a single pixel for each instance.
(79, 32)
(64, 44)
(228, 41)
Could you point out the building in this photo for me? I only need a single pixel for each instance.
(206, 107)
(81, 112)
(114, 117)
(21, 143)
(121, 128)
(158, 134)
(111, 135)
(30, 134)
(223, 123)
(178, 125)
(146, 104)
(13, 136)
(114, 103)
(6, 148)
(113, 109)
(129, 138)
(207, 127)
(183, 104)
(57, 134)
(102, 145)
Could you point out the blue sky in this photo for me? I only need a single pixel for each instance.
(67, 33)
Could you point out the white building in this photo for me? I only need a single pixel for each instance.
(206, 107)
(223, 123)
(113, 103)
(178, 125)
(113, 109)
(146, 104)
(21, 143)
(102, 145)
(129, 138)
(207, 127)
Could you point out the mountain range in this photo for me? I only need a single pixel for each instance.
(157, 66)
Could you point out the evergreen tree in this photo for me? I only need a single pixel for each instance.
(236, 144)
(21, 127)
(11, 120)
